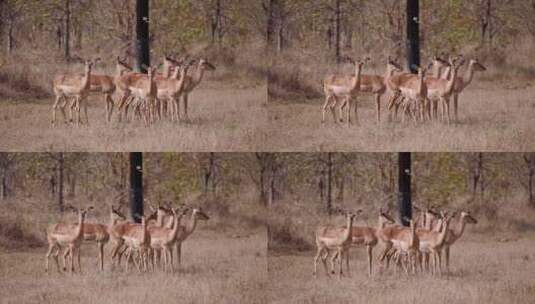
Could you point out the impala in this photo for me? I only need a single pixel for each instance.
(333, 238)
(375, 84)
(346, 87)
(191, 82)
(441, 90)
(138, 239)
(455, 233)
(75, 86)
(432, 242)
(367, 236)
(461, 83)
(170, 90)
(163, 238)
(58, 235)
(97, 233)
(187, 229)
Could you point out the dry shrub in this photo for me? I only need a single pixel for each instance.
(243, 65)
(29, 74)
(292, 224)
(22, 80)
(17, 234)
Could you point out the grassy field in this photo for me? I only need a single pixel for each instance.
(487, 270)
(223, 118)
(491, 118)
(218, 267)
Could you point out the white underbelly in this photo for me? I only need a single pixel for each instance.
(407, 93)
(340, 90)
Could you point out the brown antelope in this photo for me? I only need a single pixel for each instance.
(138, 239)
(143, 90)
(163, 238)
(375, 84)
(105, 85)
(414, 93)
(121, 67)
(164, 216)
(432, 242)
(97, 233)
(442, 90)
(461, 83)
(408, 245)
(395, 237)
(169, 91)
(334, 238)
(186, 230)
(60, 234)
(455, 232)
(438, 66)
(74, 86)
(168, 65)
(191, 82)
(346, 87)
(117, 233)
(367, 236)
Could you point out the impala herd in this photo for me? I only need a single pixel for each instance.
(152, 96)
(417, 248)
(418, 96)
(147, 245)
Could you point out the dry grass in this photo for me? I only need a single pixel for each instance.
(484, 270)
(217, 268)
(492, 118)
(224, 118)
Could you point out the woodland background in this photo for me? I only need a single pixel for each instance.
(67, 31)
(290, 193)
(311, 36)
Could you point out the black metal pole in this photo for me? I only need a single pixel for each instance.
(404, 186)
(413, 35)
(136, 185)
(142, 35)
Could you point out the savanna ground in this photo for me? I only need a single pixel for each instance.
(492, 117)
(485, 269)
(219, 266)
(223, 118)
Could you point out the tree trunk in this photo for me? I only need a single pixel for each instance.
(280, 36)
(53, 184)
(348, 34)
(530, 186)
(59, 36)
(329, 182)
(219, 17)
(337, 17)
(142, 35)
(79, 33)
(61, 171)
(485, 21)
(404, 186)
(10, 44)
(271, 9)
(5, 190)
(341, 186)
(413, 33)
(136, 185)
(530, 164)
(72, 184)
(67, 29)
